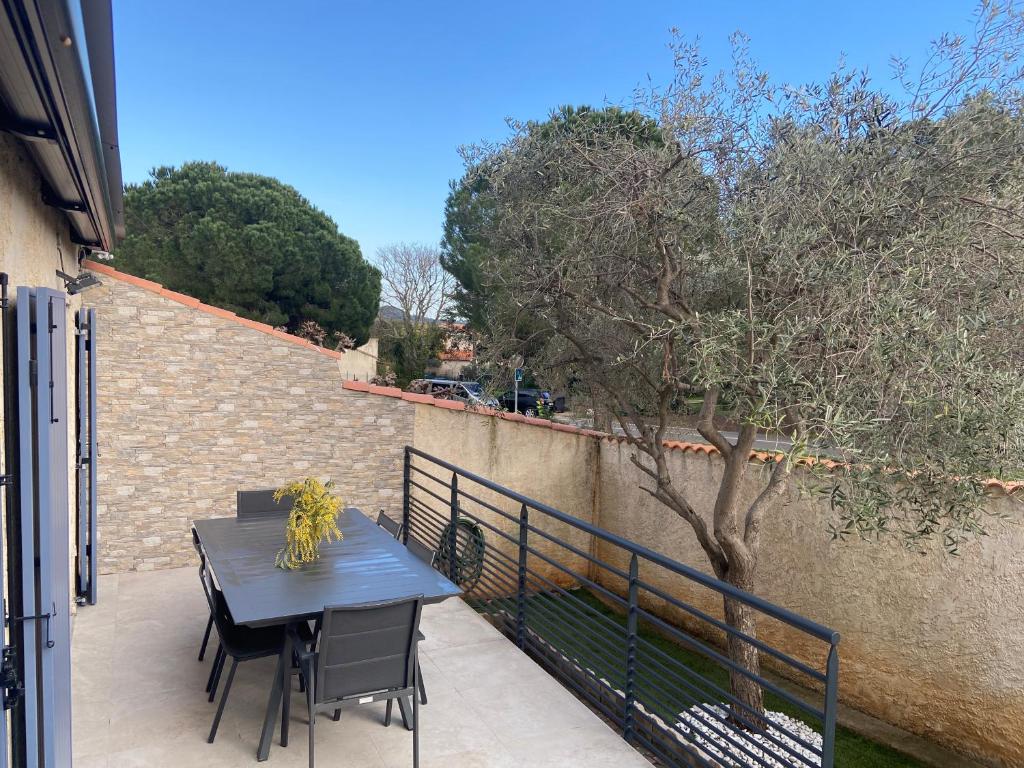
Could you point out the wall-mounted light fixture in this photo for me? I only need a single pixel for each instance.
(93, 253)
(83, 282)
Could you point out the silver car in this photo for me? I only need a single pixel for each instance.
(470, 392)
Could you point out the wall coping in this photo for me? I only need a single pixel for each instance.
(762, 457)
(193, 303)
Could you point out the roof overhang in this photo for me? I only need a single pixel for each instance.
(57, 94)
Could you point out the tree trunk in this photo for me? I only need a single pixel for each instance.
(742, 617)
(602, 416)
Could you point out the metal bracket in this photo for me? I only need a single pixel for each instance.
(11, 686)
(26, 129)
(38, 617)
(51, 199)
(6, 480)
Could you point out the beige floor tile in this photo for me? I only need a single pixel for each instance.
(580, 747)
(455, 629)
(139, 699)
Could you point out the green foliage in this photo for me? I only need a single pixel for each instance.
(843, 261)
(313, 519)
(406, 349)
(250, 244)
(467, 246)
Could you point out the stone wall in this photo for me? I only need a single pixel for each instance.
(194, 405)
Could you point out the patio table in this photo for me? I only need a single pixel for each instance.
(367, 566)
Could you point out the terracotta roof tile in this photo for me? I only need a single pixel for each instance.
(193, 303)
(452, 405)
(414, 397)
(386, 391)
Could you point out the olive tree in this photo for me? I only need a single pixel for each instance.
(845, 261)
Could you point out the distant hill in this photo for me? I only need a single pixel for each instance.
(391, 312)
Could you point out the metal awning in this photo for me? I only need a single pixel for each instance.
(57, 94)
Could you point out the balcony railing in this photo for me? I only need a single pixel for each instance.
(608, 618)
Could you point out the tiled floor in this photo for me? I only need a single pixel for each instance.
(139, 700)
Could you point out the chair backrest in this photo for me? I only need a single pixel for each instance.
(422, 551)
(365, 649)
(262, 502)
(388, 524)
(209, 589)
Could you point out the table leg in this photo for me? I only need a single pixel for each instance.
(274, 704)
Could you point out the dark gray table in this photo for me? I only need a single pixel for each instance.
(367, 566)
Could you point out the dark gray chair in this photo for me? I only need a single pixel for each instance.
(261, 503)
(365, 653)
(421, 551)
(203, 578)
(427, 555)
(389, 524)
(243, 644)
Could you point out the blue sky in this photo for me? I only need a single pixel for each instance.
(362, 106)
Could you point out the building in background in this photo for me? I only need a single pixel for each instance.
(458, 354)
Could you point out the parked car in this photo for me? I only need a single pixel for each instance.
(470, 392)
(531, 401)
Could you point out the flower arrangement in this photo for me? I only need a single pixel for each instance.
(312, 520)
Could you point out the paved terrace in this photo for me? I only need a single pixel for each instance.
(139, 699)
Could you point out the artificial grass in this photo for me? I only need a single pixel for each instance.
(851, 749)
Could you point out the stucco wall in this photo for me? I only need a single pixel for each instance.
(550, 466)
(930, 642)
(359, 363)
(193, 406)
(34, 243)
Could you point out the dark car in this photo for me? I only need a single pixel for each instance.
(530, 401)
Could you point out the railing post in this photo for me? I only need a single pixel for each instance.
(453, 532)
(521, 585)
(405, 496)
(632, 620)
(828, 736)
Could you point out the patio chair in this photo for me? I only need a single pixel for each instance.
(202, 577)
(422, 551)
(366, 653)
(261, 503)
(427, 555)
(389, 524)
(242, 644)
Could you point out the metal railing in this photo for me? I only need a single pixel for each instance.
(604, 615)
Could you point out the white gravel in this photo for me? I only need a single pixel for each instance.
(711, 739)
